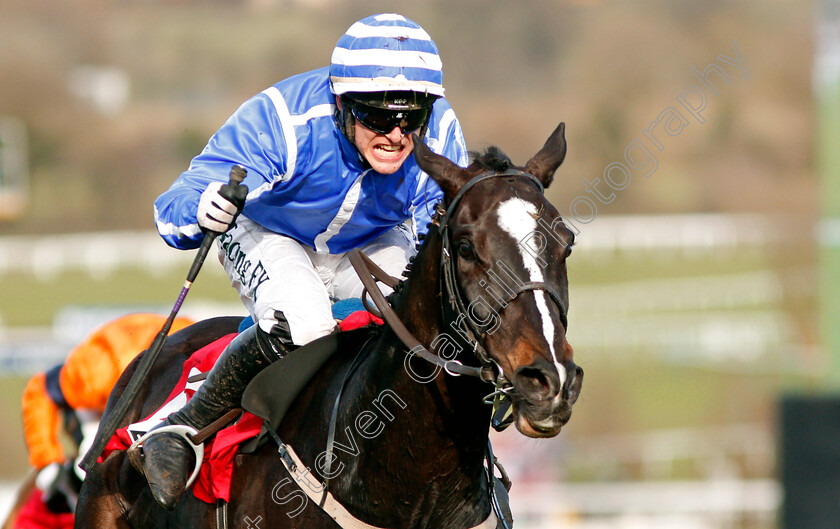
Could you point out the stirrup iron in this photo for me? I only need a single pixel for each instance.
(181, 430)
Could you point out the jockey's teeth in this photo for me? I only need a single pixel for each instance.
(388, 152)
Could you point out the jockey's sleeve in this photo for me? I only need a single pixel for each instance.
(254, 137)
(93, 367)
(40, 423)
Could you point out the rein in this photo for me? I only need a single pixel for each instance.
(367, 270)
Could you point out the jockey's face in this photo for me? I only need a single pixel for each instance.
(384, 152)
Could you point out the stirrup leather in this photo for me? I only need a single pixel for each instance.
(181, 430)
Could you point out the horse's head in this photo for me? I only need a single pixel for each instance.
(509, 247)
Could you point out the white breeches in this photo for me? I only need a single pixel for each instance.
(278, 278)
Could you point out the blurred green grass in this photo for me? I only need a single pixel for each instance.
(29, 301)
(622, 266)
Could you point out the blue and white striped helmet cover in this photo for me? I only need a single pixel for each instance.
(386, 52)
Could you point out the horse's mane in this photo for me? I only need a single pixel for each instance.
(492, 159)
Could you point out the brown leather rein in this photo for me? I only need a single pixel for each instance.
(367, 271)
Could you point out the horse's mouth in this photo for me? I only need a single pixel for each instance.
(538, 429)
(547, 426)
(545, 417)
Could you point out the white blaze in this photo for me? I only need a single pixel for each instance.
(518, 218)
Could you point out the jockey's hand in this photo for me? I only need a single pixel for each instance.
(219, 206)
(47, 476)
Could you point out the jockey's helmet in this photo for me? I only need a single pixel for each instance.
(387, 72)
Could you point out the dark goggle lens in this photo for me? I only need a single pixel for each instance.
(383, 121)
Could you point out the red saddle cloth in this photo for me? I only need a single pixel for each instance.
(214, 478)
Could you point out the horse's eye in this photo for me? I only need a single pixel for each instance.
(568, 251)
(465, 249)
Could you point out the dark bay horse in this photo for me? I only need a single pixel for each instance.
(488, 288)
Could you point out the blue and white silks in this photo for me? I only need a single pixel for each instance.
(306, 180)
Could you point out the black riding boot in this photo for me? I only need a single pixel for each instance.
(167, 459)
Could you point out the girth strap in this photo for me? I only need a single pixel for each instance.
(327, 502)
(221, 514)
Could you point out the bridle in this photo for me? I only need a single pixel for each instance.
(453, 306)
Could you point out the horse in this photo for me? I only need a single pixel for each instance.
(407, 436)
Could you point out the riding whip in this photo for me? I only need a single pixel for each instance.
(110, 423)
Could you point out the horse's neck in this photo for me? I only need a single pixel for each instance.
(418, 304)
(435, 450)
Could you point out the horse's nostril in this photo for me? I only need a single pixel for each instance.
(571, 390)
(535, 383)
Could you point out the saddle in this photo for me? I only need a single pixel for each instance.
(268, 400)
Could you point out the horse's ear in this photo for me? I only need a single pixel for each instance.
(545, 162)
(447, 174)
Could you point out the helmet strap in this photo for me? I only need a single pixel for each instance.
(345, 121)
(348, 125)
(424, 128)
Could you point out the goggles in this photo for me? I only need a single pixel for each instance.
(383, 121)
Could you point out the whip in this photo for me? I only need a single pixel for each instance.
(112, 421)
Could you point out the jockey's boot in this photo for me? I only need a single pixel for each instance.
(167, 458)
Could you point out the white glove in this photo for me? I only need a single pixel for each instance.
(46, 476)
(215, 212)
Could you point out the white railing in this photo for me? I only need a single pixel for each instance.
(99, 252)
(714, 504)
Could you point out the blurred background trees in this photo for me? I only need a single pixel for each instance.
(117, 96)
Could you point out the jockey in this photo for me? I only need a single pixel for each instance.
(327, 155)
(78, 389)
